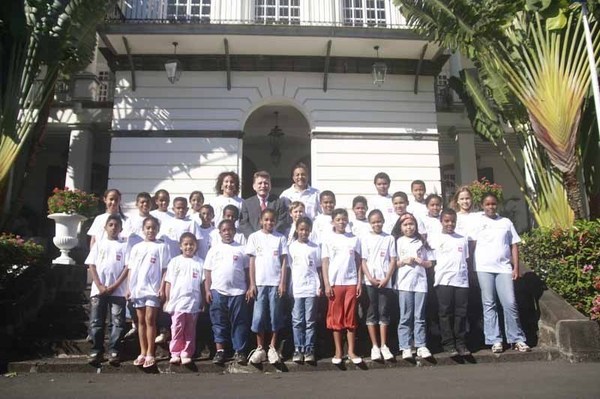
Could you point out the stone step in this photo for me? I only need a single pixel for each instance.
(203, 364)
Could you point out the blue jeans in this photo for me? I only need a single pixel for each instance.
(502, 286)
(268, 310)
(229, 318)
(99, 308)
(304, 318)
(412, 319)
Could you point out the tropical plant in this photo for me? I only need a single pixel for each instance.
(16, 255)
(530, 77)
(39, 39)
(483, 186)
(72, 201)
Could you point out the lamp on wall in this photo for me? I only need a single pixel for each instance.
(275, 138)
(173, 67)
(379, 70)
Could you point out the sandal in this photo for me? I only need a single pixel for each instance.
(150, 362)
(139, 361)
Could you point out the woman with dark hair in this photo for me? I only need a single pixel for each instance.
(227, 189)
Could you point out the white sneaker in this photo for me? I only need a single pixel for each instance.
(273, 355)
(186, 360)
(375, 353)
(497, 347)
(160, 338)
(423, 352)
(257, 356)
(131, 332)
(386, 353)
(407, 354)
(175, 360)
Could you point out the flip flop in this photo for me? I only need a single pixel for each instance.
(150, 362)
(139, 361)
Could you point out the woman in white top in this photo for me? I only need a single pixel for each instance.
(227, 189)
(497, 266)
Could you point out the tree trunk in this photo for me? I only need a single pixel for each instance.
(574, 194)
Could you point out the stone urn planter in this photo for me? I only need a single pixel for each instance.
(65, 236)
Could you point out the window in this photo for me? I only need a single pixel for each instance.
(188, 10)
(277, 12)
(364, 13)
(105, 86)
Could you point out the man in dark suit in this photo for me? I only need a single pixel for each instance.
(253, 206)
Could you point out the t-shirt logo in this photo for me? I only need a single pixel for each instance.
(460, 249)
(235, 258)
(351, 252)
(276, 253)
(153, 259)
(118, 257)
(194, 274)
(382, 254)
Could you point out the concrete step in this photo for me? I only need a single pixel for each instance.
(203, 364)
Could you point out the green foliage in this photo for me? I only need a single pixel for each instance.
(72, 201)
(568, 260)
(481, 187)
(16, 255)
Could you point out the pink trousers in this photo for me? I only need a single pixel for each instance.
(183, 334)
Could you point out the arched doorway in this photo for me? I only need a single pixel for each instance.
(258, 150)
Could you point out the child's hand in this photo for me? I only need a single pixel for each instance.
(102, 290)
(161, 295)
(328, 291)
(358, 290)
(281, 290)
(208, 297)
(251, 293)
(516, 274)
(383, 283)
(128, 295)
(375, 282)
(408, 261)
(319, 291)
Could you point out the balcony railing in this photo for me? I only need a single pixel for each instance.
(193, 12)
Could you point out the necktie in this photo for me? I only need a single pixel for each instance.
(263, 204)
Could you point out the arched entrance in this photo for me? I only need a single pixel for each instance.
(259, 152)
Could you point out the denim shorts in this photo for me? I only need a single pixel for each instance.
(151, 301)
(268, 310)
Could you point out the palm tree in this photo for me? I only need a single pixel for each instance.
(530, 56)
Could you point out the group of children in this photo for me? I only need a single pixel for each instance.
(302, 247)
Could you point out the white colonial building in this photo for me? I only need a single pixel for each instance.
(247, 66)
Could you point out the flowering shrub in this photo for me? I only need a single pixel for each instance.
(16, 255)
(72, 201)
(568, 260)
(480, 187)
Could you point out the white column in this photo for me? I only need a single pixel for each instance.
(465, 163)
(79, 165)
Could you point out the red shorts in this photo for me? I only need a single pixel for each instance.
(341, 310)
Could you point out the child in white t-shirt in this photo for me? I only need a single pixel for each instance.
(411, 283)
(304, 260)
(204, 225)
(173, 227)
(107, 267)
(342, 279)
(378, 251)
(417, 204)
(134, 224)
(360, 226)
(296, 213)
(383, 200)
(230, 212)
(183, 292)
(196, 201)
(161, 200)
(226, 285)
(112, 201)
(432, 223)
(400, 204)
(147, 262)
(451, 284)
(322, 222)
(267, 250)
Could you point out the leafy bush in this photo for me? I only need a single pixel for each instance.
(72, 201)
(16, 255)
(568, 260)
(481, 187)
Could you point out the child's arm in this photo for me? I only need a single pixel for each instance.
(102, 289)
(320, 289)
(390, 273)
(207, 284)
(92, 241)
(367, 273)
(161, 291)
(251, 277)
(514, 251)
(325, 266)
(359, 275)
(167, 291)
(119, 281)
(249, 294)
(282, 282)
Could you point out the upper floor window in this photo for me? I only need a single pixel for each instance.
(364, 12)
(188, 10)
(277, 11)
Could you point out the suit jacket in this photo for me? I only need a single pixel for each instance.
(250, 215)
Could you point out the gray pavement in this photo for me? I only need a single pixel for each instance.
(557, 379)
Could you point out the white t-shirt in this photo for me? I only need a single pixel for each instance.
(98, 230)
(289, 235)
(205, 233)
(432, 225)
(146, 262)
(109, 258)
(215, 238)
(321, 226)
(378, 249)
(412, 277)
(384, 204)
(418, 209)
(171, 231)
(162, 216)
(134, 225)
(494, 238)
(227, 264)
(450, 253)
(220, 202)
(359, 227)
(185, 276)
(304, 259)
(466, 223)
(309, 197)
(341, 249)
(267, 250)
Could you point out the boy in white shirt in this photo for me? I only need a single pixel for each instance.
(322, 223)
(359, 226)
(417, 205)
(230, 212)
(383, 199)
(135, 220)
(172, 228)
(226, 285)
